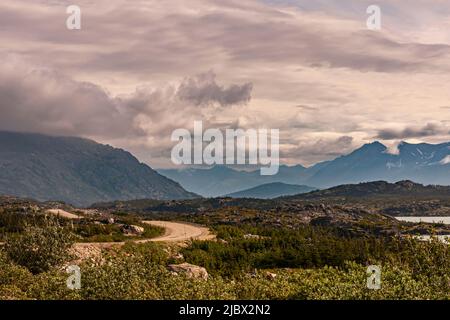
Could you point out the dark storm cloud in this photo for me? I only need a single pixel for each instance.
(41, 100)
(47, 102)
(203, 90)
(429, 129)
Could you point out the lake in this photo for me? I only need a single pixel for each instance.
(445, 220)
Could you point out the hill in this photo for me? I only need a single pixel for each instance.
(404, 198)
(271, 191)
(77, 171)
(380, 189)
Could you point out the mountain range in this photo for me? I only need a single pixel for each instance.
(422, 163)
(222, 180)
(77, 171)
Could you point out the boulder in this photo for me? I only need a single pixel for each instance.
(252, 236)
(178, 256)
(132, 230)
(271, 276)
(190, 270)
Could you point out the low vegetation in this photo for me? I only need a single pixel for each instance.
(294, 251)
(311, 263)
(40, 248)
(15, 220)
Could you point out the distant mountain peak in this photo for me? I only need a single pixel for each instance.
(423, 163)
(377, 145)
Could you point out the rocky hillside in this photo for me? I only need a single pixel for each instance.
(77, 171)
(271, 191)
(380, 189)
(404, 198)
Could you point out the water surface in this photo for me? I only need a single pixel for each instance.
(445, 220)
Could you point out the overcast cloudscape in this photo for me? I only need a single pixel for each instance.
(139, 69)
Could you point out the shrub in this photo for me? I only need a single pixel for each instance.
(14, 279)
(40, 248)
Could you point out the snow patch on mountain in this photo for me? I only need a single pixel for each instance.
(391, 165)
(446, 160)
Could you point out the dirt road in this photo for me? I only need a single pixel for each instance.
(174, 232)
(63, 214)
(178, 232)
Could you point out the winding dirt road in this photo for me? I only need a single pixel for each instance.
(179, 232)
(175, 232)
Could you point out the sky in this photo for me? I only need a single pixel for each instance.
(137, 70)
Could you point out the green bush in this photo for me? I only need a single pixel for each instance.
(139, 272)
(40, 248)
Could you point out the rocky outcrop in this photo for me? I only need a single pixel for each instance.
(132, 230)
(190, 270)
(271, 276)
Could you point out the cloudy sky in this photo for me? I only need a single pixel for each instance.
(139, 69)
